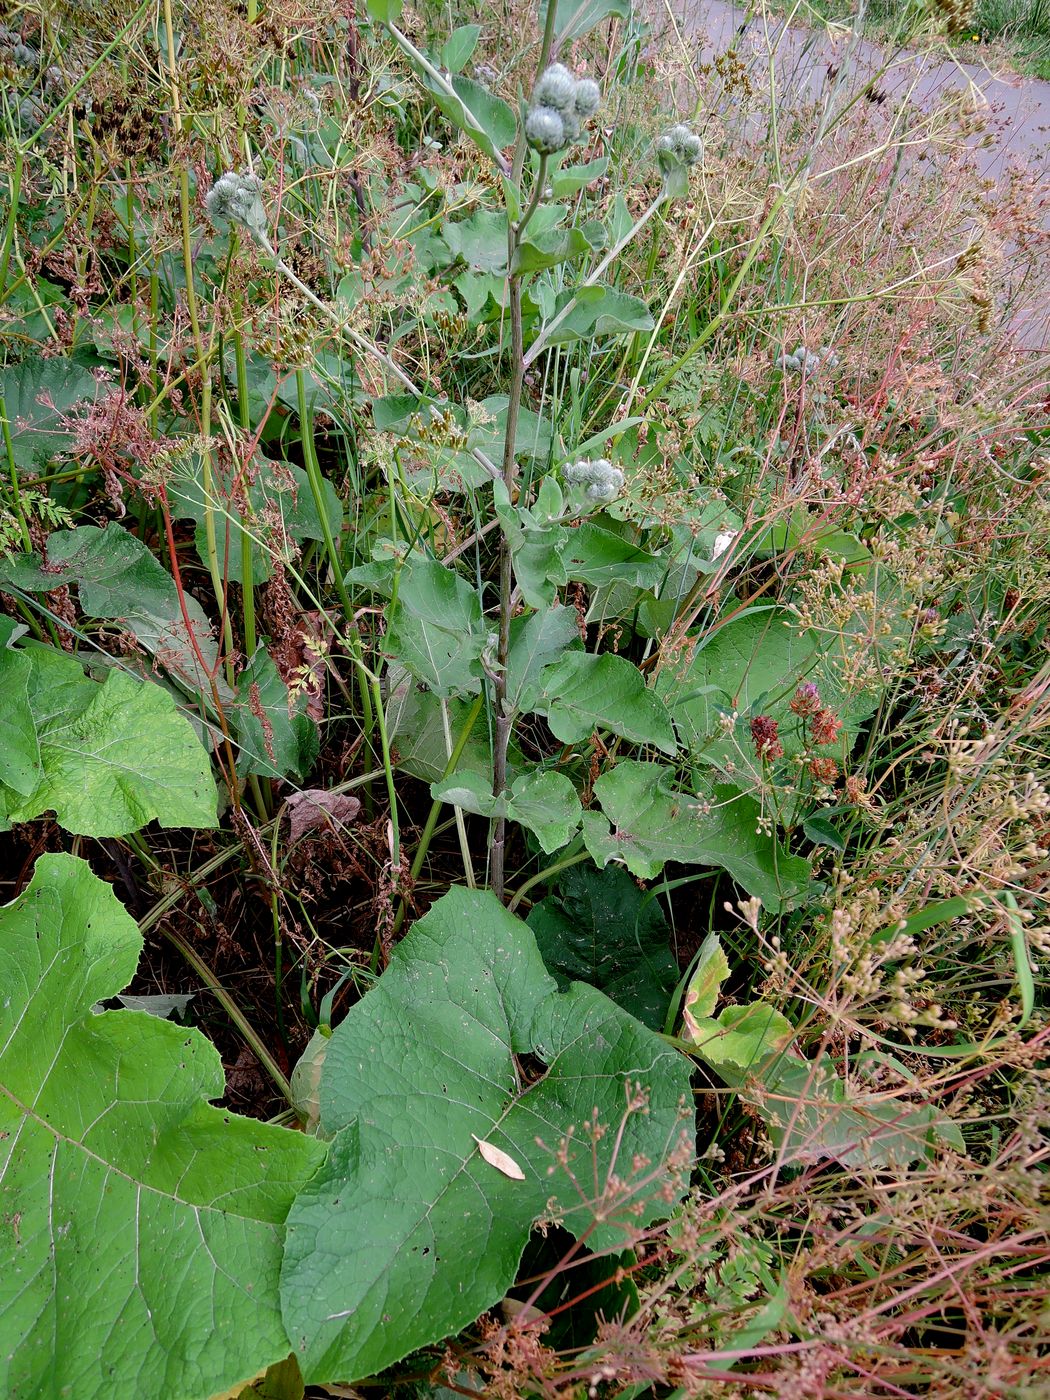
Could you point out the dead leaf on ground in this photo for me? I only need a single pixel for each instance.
(316, 807)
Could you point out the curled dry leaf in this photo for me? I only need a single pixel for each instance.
(502, 1161)
(316, 807)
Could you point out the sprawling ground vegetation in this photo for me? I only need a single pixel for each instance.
(524, 603)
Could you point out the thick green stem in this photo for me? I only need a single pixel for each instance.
(435, 808)
(371, 696)
(203, 354)
(12, 216)
(244, 415)
(504, 716)
(16, 494)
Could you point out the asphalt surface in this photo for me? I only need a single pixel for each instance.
(1018, 108)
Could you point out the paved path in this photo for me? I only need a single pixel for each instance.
(1019, 107)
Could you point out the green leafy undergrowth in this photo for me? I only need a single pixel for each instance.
(140, 1227)
(444, 1154)
(647, 820)
(601, 928)
(106, 758)
(809, 1109)
(268, 501)
(118, 578)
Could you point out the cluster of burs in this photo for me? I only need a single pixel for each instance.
(603, 481)
(22, 62)
(560, 107)
(803, 361)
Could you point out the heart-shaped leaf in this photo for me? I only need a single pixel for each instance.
(110, 757)
(409, 1233)
(140, 1228)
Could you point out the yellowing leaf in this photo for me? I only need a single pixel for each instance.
(496, 1157)
(701, 995)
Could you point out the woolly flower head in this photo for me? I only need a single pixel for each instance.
(804, 361)
(678, 146)
(237, 199)
(558, 109)
(603, 481)
(545, 130)
(588, 98)
(555, 87)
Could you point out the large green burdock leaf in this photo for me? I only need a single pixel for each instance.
(272, 500)
(598, 311)
(20, 767)
(37, 394)
(436, 629)
(648, 821)
(754, 665)
(116, 576)
(140, 1228)
(409, 1232)
(536, 641)
(582, 692)
(601, 929)
(109, 758)
(482, 116)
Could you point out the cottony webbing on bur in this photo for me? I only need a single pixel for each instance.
(603, 481)
(677, 150)
(237, 199)
(560, 107)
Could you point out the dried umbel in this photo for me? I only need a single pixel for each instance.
(237, 200)
(559, 108)
(603, 481)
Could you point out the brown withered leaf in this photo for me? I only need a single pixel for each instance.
(316, 807)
